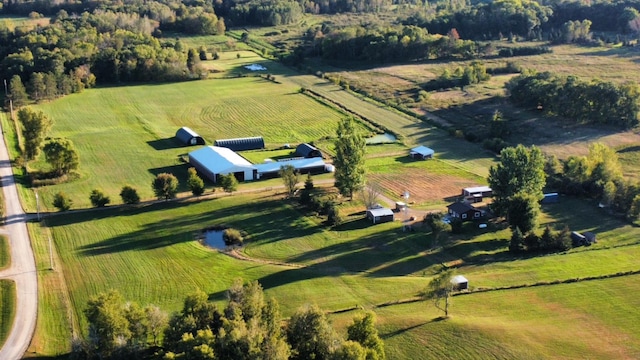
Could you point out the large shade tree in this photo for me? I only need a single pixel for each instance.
(521, 170)
(349, 158)
(35, 126)
(61, 155)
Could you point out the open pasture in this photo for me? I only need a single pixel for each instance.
(150, 255)
(12, 22)
(428, 181)
(125, 135)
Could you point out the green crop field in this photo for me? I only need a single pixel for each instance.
(7, 308)
(5, 255)
(125, 135)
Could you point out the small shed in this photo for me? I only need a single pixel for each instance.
(550, 198)
(464, 211)
(240, 144)
(421, 152)
(460, 282)
(578, 239)
(189, 137)
(307, 151)
(590, 237)
(380, 215)
(477, 191)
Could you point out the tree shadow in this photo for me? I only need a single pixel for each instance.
(404, 330)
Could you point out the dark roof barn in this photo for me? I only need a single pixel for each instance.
(189, 137)
(240, 144)
(308, 151)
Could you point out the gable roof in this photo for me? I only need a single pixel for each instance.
(460, 207)
(422, 150)
(380, 212)
(220, 160)
(459, 279)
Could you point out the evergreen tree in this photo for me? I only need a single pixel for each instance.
(195, 182)
(35, 126)
(229, 183)
(17, 92)
(516, 244)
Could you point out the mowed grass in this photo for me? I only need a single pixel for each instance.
(150, 255)
(5, 252)
(125, 135)
(7, 308)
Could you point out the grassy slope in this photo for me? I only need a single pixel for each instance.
(126, 133)
(7, 308)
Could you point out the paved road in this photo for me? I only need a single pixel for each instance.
(23, 267)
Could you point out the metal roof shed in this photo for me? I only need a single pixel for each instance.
(189, 137)
(380, 215)
(460, 282)
(213, 161)
(308, 151)
(240, 144)
(421, 152)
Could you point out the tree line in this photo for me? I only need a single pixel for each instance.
(592, 101)
(249, 327)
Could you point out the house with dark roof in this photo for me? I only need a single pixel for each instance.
(464, 211)
(240, 144)
(307, 151)
(187, 136)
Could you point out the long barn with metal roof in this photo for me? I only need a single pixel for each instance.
(241, 144)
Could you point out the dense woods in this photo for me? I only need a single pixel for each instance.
(592, 101)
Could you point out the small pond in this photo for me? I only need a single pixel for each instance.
(214, 239)
(381, 139)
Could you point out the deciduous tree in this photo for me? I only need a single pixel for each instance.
(129, 195)
(363, 330)
(522, 212)
(349, 158)
(35, 126)
(439, 291)
(165, 186)
(61, 155)
(17, 93)
(62, 202)
(98, 198)
(229, 183)
(310, 334)
(290, 178)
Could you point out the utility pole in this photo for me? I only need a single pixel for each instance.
(37, 205)
(6, 92)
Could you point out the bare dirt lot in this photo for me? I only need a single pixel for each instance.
(423, 188)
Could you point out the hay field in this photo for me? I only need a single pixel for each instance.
(124, 135)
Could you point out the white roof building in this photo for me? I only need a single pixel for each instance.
(302, 165)
(214, 160)
(422, 152)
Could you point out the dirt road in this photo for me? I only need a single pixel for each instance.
(23, 267)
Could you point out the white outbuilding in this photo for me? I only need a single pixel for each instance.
(214, 160)
(460, 282)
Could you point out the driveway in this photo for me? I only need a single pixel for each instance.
(23, 267)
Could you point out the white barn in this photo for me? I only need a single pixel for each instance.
(213, 161)
(421, 152)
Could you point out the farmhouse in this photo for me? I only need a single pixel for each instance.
(380, 215)
(308, 151)
(240, 144)
(189, 137)
(460, 282)
(303, 166)
(463, 211)
(421, 152)
(213, 161)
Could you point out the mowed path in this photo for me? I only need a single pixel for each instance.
(23, 267)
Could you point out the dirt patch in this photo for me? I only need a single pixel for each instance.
(424, 188)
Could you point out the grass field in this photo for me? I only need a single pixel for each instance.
(150, 255)
(5, 254)
(7, 308)
(126, 133)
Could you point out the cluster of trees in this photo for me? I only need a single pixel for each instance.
(487, 20)
(524, 51)
(390, 44)
(257, 12)
(473, 73)
(320, 202)
(585, 102)
(615, 16)
(549, 241)
(249, 327)
(572, 32)
(59, 153)
(597, 175)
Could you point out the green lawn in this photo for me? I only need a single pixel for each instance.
(7, 308)
(5, 252)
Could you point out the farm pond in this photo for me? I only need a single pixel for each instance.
(214, 239)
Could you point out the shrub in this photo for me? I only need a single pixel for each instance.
(232, 237)
(98, 198)
(129, 195)
(62, 202)
(305, 197)
(333, 215)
